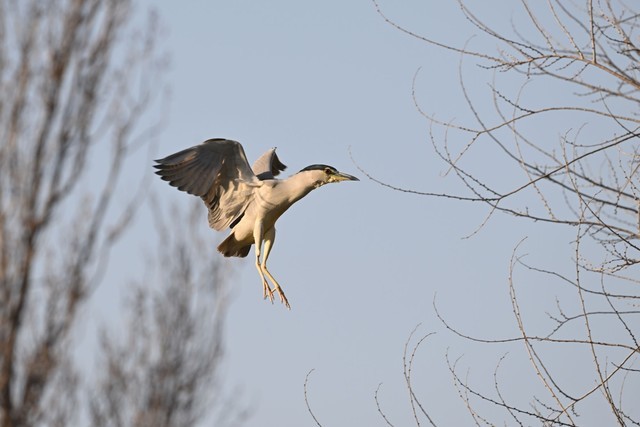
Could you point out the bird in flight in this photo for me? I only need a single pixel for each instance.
(247, 199)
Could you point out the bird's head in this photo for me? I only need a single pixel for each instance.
(323, 174)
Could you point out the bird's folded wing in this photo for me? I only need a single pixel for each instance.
(268, 165)
(217, 171)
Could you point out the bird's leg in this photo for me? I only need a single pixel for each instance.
(269, 239)
(266, 290)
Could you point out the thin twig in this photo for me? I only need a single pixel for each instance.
(306, 401)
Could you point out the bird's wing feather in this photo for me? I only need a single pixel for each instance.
(217, 171)
(268, 165)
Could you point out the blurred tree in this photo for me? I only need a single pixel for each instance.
(76, 78)
(164, 369)
(559, 122)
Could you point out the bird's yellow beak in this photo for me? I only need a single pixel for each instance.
(343, 177)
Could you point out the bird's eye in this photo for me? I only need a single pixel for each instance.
(327, 171)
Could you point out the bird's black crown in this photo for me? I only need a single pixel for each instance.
(321, 168)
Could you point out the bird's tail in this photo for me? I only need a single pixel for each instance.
(231, 247)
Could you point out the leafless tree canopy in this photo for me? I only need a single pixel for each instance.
(164, 370)
(560, 125)
(76, 78)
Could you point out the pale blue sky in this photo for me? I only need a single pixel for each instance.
(360, 263)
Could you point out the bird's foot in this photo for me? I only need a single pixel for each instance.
(267, 292)
(283, 298)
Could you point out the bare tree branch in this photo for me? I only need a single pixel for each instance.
(306, 400)
(586, 177)
(78, 79)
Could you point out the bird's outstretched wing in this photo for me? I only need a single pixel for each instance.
(216, 170)
(268, 165)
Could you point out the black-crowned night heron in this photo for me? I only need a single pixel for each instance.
(249, 200)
